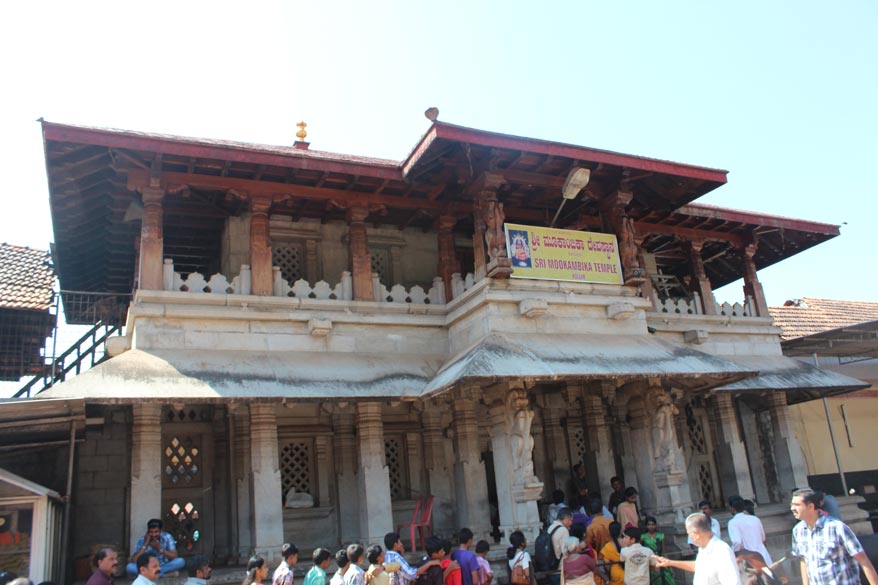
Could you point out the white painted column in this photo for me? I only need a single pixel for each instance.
(439, 476)
(518, 489)
(470, 480)
(373, 481)
(734, 471)
(791, 470)
(599, 455)
(146, 469)
(347, 499)
(267, 502)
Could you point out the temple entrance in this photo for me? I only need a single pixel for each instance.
(187, 481)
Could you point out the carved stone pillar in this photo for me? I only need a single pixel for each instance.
(361, 261)
(622, 441)
(556, 443)
(615, 219)
(146, 468)
(734, 471)
(510, 419)
(312, 265)
(752, 286)
(673, 496)
(439, 476)
(599, 455)
(642, 452)
(322, 445)
(699, 276)
(470, 480)
(347, 499)
(448, 263)
(151, 239)
(373, 479)
(260, 248)
(266, 492)
(223, 502)
(788, 459)
(243, 478)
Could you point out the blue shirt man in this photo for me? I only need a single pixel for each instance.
(160, 544)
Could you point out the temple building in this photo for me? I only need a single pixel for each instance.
(317, 344)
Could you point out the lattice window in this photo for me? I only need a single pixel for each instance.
(579, 445)
(182, 461)
(705, 480)
(394, 455)
(182, 521)
(288, 257)
(382, 265)
(296, 467)
(695, 430)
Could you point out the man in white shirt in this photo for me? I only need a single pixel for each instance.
(745, 531)
(148, 569)
(715, 563)
(341, 560)
(355, 575)
(707, 510)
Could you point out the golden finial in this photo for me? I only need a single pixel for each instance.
(301, 134)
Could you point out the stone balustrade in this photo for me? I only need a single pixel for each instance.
(302, 289)
(693, 306)
(744, 309)
(415, 295)
(460, 285)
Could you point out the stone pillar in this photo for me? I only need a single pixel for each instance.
(373, 479)
(673, 496)
(752, 286)
(790, 464)
(361, 261)
(312, 263)
(260, 248)
(347, 499)
(556, 443)
(151, 239)
(243, 515)
(599, 455)
(439, 476)
(267, 497)
(699, 276)
(734, 471)
(621, 431)
(470, 480)
(322, 447)
(510, 419)
(615, 219)
(222, 492)
(448, 263)
(146, 468)
(642, 455)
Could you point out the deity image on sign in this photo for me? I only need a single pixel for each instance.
(519, 248)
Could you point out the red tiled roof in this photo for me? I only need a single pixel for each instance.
(806, 316)
(26, 278)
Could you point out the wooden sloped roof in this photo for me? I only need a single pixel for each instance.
(90, 169)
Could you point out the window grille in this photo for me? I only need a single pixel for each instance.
(296, 467)
(394, 455)
(182, 462)
(579, 445)
(288, 256)
(381, 264)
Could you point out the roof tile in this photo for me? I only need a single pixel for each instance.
(26, 278)
(807, 316)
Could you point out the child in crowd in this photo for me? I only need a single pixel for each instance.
(317, 574)
(379, 572)
(435, 574)
(637, 558)
(486, 575)
(518, 559)
(609, 554)
(452, 569)
(627, 513)
(257, 571)
(341, 561)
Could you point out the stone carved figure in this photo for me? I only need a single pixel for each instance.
(519, 421)
(494, 216)
(663, 436)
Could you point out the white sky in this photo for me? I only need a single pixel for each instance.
(782, 94)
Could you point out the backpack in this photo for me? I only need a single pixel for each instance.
(544, 552)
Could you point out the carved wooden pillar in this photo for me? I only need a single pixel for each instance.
(448, 264)
(260, 248)
(646, 289)
(361, 261)
(615, 219)
(734, 470)
(752, 286)
(489, 241)
(699, 276)
(151, 239)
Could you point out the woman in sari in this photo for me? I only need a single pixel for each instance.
(610, 556)
(655, 541)
(577, 567)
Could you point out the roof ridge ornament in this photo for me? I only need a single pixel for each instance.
(301, 135)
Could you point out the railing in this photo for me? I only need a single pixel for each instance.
(744, 309)
(692, 305)
(415, 295)
(460, 285)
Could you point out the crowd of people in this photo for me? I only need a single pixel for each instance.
(584, 542)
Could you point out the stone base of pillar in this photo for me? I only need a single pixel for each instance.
(673, 497)
(499, 268)
(734, 470)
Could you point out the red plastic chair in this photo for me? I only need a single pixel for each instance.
(420, 521)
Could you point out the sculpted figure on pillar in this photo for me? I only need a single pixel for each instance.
(519, 422)
(494, 217)
(663, 435)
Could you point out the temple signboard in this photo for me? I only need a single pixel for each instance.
(553, 254)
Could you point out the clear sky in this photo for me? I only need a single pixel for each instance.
(781, 94)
